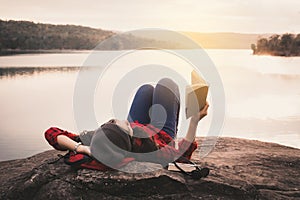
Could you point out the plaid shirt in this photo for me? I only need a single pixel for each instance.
(166, 144)
(163, 141)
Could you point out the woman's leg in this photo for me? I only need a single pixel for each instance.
(142, 102)
(166, 105)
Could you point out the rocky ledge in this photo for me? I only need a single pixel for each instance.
(240, 169)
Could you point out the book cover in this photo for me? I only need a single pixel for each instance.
(195, 95)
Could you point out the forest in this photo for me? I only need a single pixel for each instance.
(278, 45)
(26, 35)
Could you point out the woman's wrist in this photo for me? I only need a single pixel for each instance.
(190, 136)
(77, 145)
(194, 121)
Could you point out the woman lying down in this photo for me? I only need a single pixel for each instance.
(147, 135)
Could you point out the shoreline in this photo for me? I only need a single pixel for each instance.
(10, 52)
(275, 55)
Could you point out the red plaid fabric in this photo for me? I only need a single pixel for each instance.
(161, 138)
(77, 160)
(52, 133)
(166, 143)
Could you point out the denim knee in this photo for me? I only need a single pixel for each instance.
(146, 87)
(171, 85)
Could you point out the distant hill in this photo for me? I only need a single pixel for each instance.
(224, 40)
(26, 36)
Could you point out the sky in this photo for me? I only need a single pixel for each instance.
(243, 16)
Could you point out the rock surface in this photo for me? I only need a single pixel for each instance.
(240, 169)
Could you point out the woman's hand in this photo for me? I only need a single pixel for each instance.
(84, 149)
(196, 118)
(69, 144)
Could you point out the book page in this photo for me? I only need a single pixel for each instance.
(186, 167)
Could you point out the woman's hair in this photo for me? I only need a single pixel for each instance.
(110, 144)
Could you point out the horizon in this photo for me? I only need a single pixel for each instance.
(115, 31)
(215, 16)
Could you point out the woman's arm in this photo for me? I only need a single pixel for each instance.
(186, 146)
(64, 140)
(191, 134)
(69, 144)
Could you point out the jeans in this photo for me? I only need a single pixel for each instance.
(158, 106)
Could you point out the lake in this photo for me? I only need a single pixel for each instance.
(37, 91)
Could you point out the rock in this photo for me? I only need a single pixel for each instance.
(240, 169)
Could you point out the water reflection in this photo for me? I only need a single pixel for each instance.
(10, 72)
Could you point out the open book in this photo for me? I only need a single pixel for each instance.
(195, 95)
(185, 166)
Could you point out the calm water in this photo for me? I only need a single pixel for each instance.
(262, 96)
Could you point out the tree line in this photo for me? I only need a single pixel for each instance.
(278, 45)
(26, 35)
